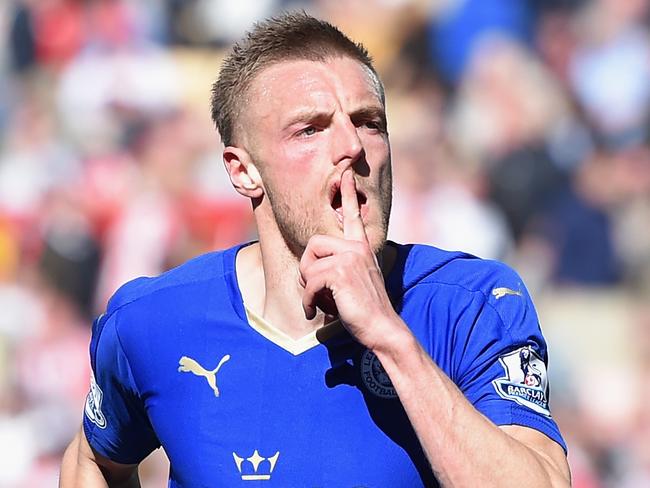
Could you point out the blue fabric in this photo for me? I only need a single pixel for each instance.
(315, 408)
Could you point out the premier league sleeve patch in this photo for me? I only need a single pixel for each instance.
(525, 381)
(93, 407)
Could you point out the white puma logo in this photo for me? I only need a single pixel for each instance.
(190, 365)
(502, 291)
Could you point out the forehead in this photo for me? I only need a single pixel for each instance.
(287, 85)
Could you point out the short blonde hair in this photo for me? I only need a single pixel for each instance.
(291, 36)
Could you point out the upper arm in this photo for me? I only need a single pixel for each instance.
(116, 423)
(550, 453)
(501, 357)
(84, 467)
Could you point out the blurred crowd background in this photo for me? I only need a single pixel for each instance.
(520, 131)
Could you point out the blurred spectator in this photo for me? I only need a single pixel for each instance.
(461, 25)
(22, 44)
(592, 230)
(556, 36)
(35, 158)
(97, 89)
(439, 199)
(513, 135)
(610, 72)
(575, 224)
(629, 180)
(210, 22)
(70, 257)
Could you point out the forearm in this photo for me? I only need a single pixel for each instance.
(463, 447)
(82, 468)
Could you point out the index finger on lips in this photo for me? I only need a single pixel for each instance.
(353, 228)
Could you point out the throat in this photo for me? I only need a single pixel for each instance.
(269, 283)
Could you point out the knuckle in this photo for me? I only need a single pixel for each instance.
(348, 258)
(364, 247)
(360, 247)
(316, 239)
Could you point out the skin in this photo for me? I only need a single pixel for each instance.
(301, 138)
(83, 467)
(311, 122)
(314, 261)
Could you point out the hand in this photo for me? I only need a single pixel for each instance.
(341, 276)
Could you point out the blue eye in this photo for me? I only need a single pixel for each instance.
(308, 131)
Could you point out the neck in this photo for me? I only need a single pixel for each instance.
(269, 280)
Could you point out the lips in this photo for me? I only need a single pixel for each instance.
(336, 199)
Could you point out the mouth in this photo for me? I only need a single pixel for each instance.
(336, 199)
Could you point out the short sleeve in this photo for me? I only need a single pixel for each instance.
(115, 420)
(501, 360)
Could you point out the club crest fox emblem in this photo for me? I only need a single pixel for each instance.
(189, 365)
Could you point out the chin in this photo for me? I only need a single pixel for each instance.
(376, 239)
(378, 246)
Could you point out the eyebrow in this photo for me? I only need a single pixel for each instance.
(308, 115)
(368, 113)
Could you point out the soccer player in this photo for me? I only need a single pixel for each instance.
(320, 355)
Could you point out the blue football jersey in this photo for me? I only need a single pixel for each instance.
(179, 361)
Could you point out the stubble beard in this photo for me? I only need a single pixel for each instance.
(297, 225)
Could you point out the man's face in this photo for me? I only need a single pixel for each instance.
(304, 124)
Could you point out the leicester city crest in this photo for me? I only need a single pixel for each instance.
(525, 381)
(375, 377)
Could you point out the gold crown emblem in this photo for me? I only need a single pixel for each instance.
(255, 459)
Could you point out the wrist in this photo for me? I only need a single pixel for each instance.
(395, 338)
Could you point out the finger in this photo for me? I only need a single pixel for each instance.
(320, 300)
(317, 292)
(323, 246)
(322, 266)
(309, 273)
(353, 228)
(318, 295)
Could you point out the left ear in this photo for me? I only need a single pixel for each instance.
(243, 174)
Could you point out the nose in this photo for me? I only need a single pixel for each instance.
(348, 147)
